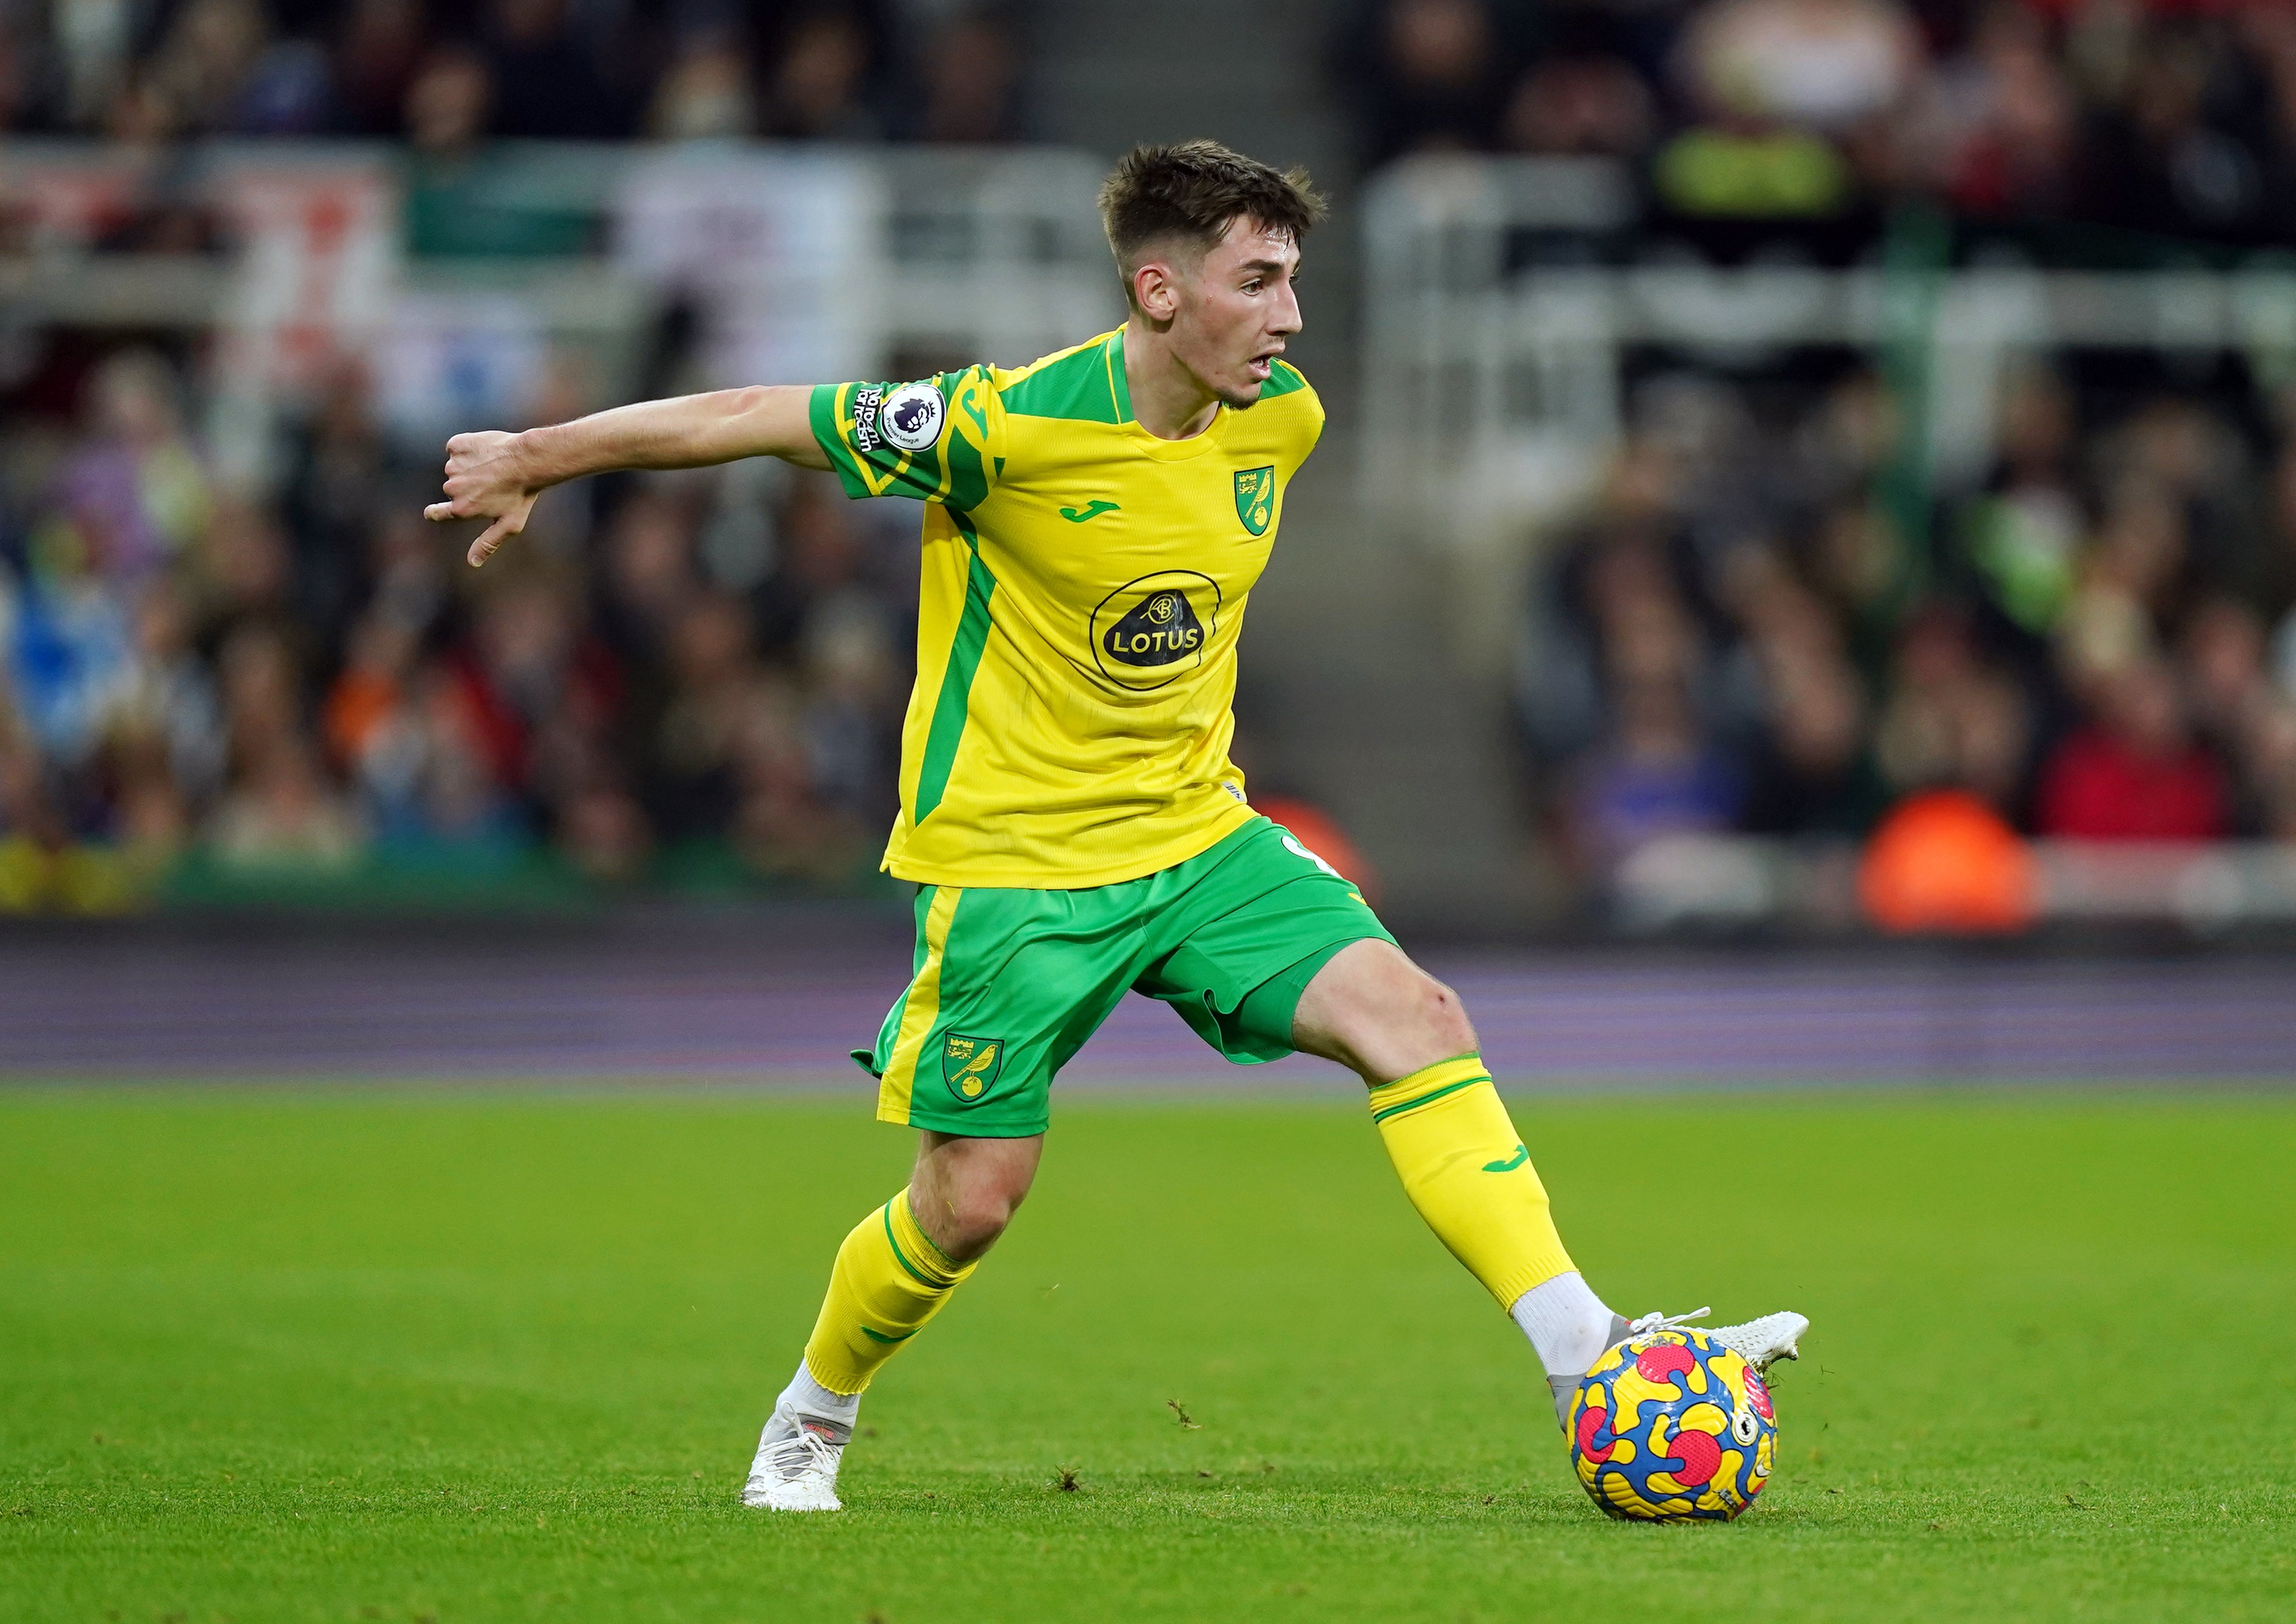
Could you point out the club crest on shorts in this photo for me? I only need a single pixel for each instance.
(1254, 498)
(970, 1065)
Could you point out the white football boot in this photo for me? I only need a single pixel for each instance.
(1760, 1342)
(796, 1466)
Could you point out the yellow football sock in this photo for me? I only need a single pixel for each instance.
(1466, 1170)
(889, 1280)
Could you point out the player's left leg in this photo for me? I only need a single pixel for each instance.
(1462, 1162)
(892, 1274)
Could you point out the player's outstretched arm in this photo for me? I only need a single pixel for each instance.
(496, 476)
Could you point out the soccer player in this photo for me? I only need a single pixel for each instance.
(1093, 523)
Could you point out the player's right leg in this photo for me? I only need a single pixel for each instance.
(892, 1274)
(1465, 1167)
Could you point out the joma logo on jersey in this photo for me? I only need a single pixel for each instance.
(1149, 632)
(970, 1065)
(1254, 498)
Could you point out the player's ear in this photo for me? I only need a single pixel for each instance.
(1155, 290)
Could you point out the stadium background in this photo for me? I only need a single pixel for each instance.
(1791, 616)
(1755, 427)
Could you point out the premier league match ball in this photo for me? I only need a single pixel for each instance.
(1673, 1427)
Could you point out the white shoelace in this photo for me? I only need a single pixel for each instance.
(1649, 1323)
(789, 1458)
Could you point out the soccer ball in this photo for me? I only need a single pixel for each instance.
(1673, 1427)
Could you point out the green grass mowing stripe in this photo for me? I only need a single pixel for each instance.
(273, 1356)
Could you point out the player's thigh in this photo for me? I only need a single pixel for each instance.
(1245, 938)
(1375, 1012)
(1009, 983)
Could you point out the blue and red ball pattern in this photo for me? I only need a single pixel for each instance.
(1673, 1427)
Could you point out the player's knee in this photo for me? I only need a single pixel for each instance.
(1443, 1019)
(978, 1213)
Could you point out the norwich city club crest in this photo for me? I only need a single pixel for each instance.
(1255, 499)
(970, 1065)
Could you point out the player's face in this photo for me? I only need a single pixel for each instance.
(1236, 311)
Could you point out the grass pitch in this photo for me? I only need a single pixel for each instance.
(372, 1355)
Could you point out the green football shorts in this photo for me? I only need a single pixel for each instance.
(1009, 982)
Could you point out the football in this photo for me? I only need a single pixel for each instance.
(1673, 1427)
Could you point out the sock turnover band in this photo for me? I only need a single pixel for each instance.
(1468, 1173)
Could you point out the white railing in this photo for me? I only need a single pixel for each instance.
(1493, 390)
(805, 262)
(1738, 880)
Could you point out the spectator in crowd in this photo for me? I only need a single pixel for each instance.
(1428, 75)
(819, 87)
(1581, 102)
(2082, 644)
(378, 48)
(311, 685)
(448, 77)
(1794, 123)
(1810, 769)
(706, 94)
(971, 70)
(1954, 719)
(1997, 130)
(2021, 536)
(1791, 97)
(546, 83)
(2133, 771)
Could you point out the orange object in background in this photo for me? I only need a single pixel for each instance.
(1945, 860)
(1319, 834)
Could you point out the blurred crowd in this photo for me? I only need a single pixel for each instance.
(1755, 631)
(698, 674)
(443, 72)
(2135, 118)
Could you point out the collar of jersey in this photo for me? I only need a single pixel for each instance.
(1163, 450)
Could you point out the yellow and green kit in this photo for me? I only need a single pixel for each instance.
(1011, 980)
(1067, 799)
(1069, 812)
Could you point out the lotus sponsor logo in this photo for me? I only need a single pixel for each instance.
(1152, 631)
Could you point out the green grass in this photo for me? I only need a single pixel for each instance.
(372, 1355)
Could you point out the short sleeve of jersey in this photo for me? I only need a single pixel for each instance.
(938, 440)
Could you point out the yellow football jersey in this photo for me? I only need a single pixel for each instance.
(1083, 587)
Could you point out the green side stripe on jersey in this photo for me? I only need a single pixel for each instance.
(1426, 1099)
(1075, 388)
(956, 682)
(1283, 379)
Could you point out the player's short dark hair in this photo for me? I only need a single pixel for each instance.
(1192, 193)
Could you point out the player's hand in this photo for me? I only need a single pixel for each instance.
(485, 480)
